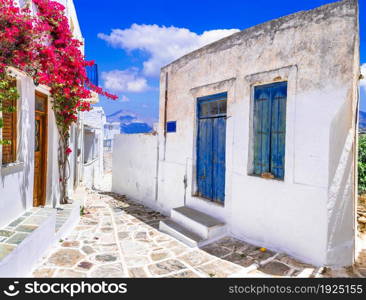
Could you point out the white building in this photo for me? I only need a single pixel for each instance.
(29, 174)
(92, 156)
(257, 139)
(110, 130)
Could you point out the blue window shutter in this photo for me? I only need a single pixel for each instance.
(278, 129)
(262, 122)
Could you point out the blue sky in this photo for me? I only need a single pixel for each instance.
(129, 58)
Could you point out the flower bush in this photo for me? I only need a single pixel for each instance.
(362, 165)
(42, 45)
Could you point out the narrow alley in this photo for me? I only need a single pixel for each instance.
(118, 238)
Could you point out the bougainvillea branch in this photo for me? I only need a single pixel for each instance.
(43, 46)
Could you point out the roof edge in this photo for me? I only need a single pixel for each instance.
(273, 24)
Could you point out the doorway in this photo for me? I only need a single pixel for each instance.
(40, 150)
(211, 144)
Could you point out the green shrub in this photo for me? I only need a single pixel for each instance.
(362, 164)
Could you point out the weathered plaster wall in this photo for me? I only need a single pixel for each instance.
(135, 167)
(311, 213)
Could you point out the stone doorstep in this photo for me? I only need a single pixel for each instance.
(192, 227)
(198, 222)
(67, 216)
(198, 216)
(20, 230)
(12, 235)
(180, 233)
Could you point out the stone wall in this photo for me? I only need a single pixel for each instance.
(361, 214)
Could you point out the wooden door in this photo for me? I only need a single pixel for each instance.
(40, 151)
(211, 145)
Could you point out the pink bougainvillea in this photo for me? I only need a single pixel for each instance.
(43, 46)
(17, 35)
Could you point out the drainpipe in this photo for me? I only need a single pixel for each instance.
(185, 182)
(165, 110)
(157, 172)
(158, 148)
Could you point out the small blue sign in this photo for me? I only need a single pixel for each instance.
(171, 126)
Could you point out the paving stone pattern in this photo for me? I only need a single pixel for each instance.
(19, 229)
(119, 238)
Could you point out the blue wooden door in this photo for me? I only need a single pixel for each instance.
(218, 166)
(205, 158)
(211, 142)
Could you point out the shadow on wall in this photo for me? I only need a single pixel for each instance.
(26, 143)
(22, 177)
(340, 207)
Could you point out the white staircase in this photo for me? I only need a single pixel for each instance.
(193, 227)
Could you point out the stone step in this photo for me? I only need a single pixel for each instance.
(67, 217)
(201, 224)
(27, 239)
(180, 233)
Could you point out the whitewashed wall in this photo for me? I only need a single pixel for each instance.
(309, 215)
(74, 158)
(16, 181)
(93, 170)
(134, 167)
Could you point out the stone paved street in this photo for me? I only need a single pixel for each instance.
(119, 238)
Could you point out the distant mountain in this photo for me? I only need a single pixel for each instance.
(121, 116)
(362, 120)
(135, 127)
(130, 123)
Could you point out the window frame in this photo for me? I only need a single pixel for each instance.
(14, 134)
(209, 100)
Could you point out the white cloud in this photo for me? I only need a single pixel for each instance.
(124, 81)
(123, 98)
(363, 81)
(162, 44)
